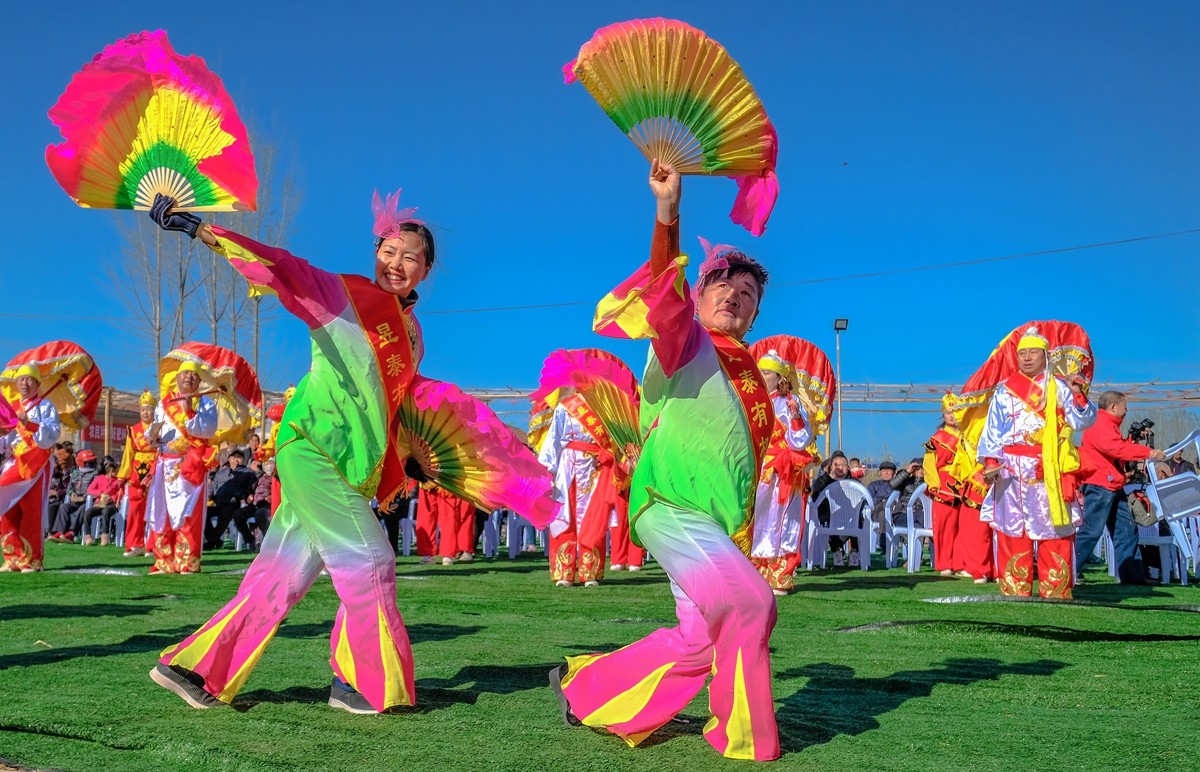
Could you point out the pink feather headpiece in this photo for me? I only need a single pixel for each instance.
(722, 257)
(389, 216)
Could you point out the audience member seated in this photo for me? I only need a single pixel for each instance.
(232, 486)
(105, 491)
(69, 518)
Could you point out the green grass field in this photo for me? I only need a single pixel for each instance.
(868, 675)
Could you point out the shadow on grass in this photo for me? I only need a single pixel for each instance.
(476, 567)
(432, 693)
(420, 633)
(88, 611)
(136, 644)
(857, 579)
(1046, 632)
(836, 702)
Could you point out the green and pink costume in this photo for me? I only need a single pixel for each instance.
(333, 452)
(707, 417)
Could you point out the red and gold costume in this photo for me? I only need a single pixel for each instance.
(137, 468)
(24, 480)
(177, 495)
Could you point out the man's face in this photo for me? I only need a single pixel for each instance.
(400, 264)
(235, 462)
(729, 305)
(27, 386)
(1031, 361)
(839, 468)
(771, 378)
(1119, 408)
(146, 413)
(887, 474)
(187, 381)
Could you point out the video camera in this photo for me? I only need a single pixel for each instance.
(1142, 431)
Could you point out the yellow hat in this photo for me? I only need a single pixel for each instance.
(1033, 339)
(949, 401)
(147, 399)
(29, 370)
(189, 366)
(288, 393)
(774, 363)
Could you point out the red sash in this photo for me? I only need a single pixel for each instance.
(943, 445)
(1031, 394)
(605, 489)
(742, 371)
(200, 456)
(137, 464)
(393, 337)
(30, 459)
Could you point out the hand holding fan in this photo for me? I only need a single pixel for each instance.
(460, 444)
(682, 99)
(139, 120)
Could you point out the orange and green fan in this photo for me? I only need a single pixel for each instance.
(139, 120)
(682, 99)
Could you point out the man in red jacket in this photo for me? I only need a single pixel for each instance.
(1104, 501)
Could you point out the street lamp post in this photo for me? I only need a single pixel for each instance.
(838, 326)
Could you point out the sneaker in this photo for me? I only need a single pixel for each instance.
(427, 561)
(88, 540)
(965, 575)
(6, 569)
(186, 684)
(635, 568)
(55, 537)
(780, 592)
(349, 699)
(838, 559)
(105, 540)
(562, 583)
(67, 538)
(30, 570)
(556, 677)
(853, 558)
(946, 572)
(135, 552)
(592, 583)
(467, 557)
(981, 580)
(617, 567)
(447, 561)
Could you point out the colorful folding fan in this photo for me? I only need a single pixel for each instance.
(461, 445)
(140, 119)
(682, 99)
(815, 384)
(606, 384)
(228, 379)
(69, 378)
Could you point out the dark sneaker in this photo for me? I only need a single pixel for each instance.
(556, 677)
(349, 699)
(186, 684)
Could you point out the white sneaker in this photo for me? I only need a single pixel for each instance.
(853, 558)
(838, 559)
(562, 583)
(467, 557)
(617, 567)
(447, 561)
(635, 568)
(591, 584)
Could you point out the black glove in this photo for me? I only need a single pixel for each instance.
(414, 470)
(184, 222)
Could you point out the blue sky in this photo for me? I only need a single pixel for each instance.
(912, 134)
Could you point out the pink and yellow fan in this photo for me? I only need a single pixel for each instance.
(606, 384)
(139, 120)
(460, 444)
(682, 99)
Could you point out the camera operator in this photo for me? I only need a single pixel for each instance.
(1104, 503)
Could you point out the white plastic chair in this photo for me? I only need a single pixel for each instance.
(895, 535)
(1176, 501)
(850, 506)
(920, 494)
